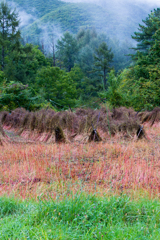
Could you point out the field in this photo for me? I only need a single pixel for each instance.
(80, 190)
(129, 166)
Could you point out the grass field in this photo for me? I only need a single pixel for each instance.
(114, 167)
(106, 190)
(80, 217)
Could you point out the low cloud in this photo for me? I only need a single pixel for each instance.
(104, 2)
(49, 36)
(24, 17)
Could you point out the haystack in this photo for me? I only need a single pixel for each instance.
(152, 117)
(141, 132)
(59, 135)
(94, 136)
(123, 113)
(3, 136)
(43, 124)
(3, 116)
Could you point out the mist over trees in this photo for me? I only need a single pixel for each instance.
(80, 69)
(143, 79)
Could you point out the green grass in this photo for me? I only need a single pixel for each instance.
(80, 217)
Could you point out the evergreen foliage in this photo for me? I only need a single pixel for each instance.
(56, 86)
(78, 73)
(58, 17)
(14, 95)
(142, 82)
(73, 16)
(67, 51)
(113, 94)
(103, 58)
(145, 36)
(24, 64)
(9, 33)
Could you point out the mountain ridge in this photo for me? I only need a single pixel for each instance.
(115, 20)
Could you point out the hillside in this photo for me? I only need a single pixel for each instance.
(116, 20)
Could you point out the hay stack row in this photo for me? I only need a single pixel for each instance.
(43, 125)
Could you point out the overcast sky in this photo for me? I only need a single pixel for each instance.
(152, 2)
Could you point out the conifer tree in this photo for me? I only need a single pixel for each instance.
(146, 32)
(142, 83)
(67, 50)
(9, 32)
(103, 58)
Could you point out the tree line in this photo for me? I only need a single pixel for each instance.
(80, 69)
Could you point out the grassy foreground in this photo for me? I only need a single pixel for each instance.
(80, 217)
(107, 190)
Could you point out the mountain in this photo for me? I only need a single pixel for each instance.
(116, 19)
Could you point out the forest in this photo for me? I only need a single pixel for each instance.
(80, 69)
(79, 121)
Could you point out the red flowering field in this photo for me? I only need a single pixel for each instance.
(116, 166)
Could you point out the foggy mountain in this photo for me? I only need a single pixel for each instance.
(118, 19)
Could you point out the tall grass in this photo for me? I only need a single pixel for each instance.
(117, 166)
(80, 217)
(81, 191)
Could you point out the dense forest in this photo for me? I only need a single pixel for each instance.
(81, 66)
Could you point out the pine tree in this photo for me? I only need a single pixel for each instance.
(103, 58)
(9, 32)
(146, 32)
(67, 50)
(142, 82)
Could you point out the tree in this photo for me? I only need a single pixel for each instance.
(122, 51)
(56, 86)
(113, 94)
(67, 50)
(85, 37)
(146, 32)
(23, 65)
(53, 51)
(2, 78)
(103, 58)
(142, 81)
(77, 77)
(9, 32)
(15, 94)
(88, 41)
